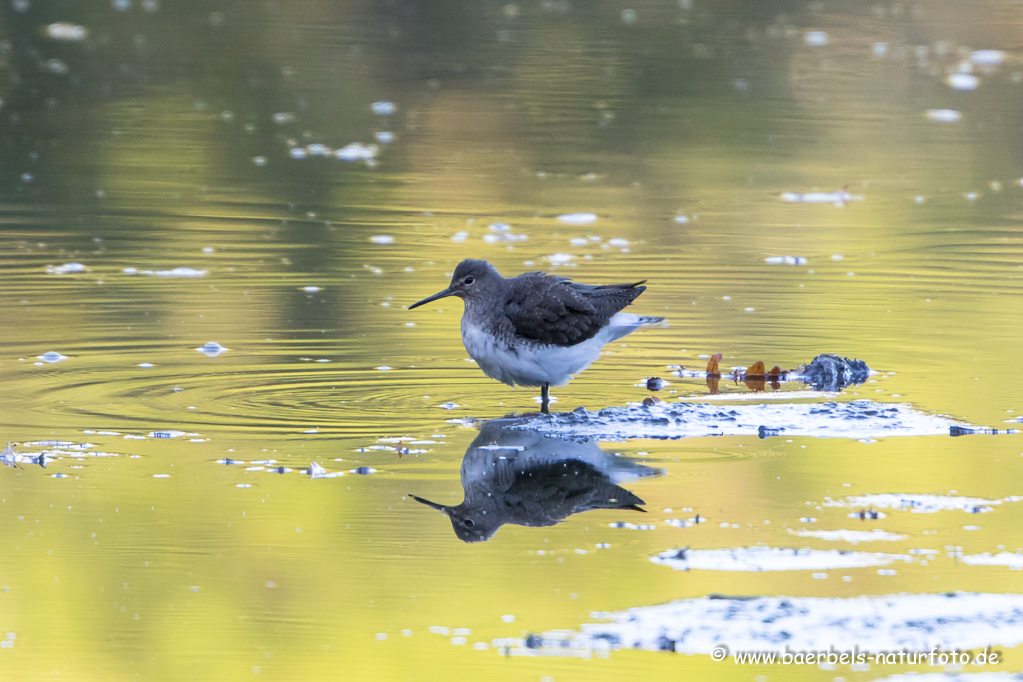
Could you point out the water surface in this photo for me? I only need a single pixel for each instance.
(172, 180)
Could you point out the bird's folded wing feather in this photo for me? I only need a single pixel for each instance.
(554, 310)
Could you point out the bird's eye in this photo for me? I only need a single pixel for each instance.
(469, 523)
(469, 280)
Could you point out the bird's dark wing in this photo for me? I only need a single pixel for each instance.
(545, 493)
(555, 310)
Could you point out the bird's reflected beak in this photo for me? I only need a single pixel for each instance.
(440, 294)
(438, 507)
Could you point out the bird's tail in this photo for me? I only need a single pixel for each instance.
(626, 323)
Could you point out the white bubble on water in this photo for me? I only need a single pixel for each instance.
(211, 349)
(944, 115)
(815, 38)
(963, 81)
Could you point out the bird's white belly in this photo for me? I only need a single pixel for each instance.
(528, 364)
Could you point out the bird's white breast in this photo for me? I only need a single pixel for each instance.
(527, 363)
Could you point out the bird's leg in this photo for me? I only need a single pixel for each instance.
(545, 399)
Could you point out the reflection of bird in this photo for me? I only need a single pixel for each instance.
(538, 329)
(525, 478)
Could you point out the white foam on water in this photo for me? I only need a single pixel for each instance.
(180, 272)
(577, 218)
(987, 57)
(851, 536)
(855, 419)
(383, 108)
(916, 622)
(759, 559)
(746, 397)
(840, 198)
(560, 258)
(356, 151)
(66, 269)
(1013, 561)
(63, 30)
(990, 676)
(51, 357)
(919, 503)
(944, 115)
(382, 239)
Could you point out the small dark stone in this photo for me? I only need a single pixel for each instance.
(654, 383)
(534, 641)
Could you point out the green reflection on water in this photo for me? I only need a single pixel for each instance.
(139, 150)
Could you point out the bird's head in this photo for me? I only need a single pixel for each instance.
(469, 524)
(472, 281)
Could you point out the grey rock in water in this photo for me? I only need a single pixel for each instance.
(529, 479)
(830, 372)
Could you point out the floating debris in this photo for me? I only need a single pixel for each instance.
(363, 471)
(759, 558)
(956, 430)
(228, 461)
(382, 239)
(449, 406)
(212, 349)
(383, 108)
(167, 434)
(51, 357)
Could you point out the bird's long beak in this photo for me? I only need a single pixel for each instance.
(439, 294)
(438, 507)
